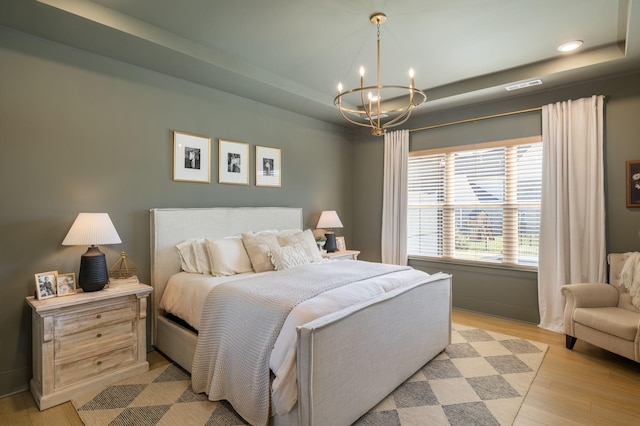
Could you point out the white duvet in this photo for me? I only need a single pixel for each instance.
(185, 294)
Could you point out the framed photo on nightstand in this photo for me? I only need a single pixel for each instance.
(46, 284)
(342, 246)
(66, 284)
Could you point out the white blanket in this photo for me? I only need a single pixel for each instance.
(225, 366)
(630, 277)
(185, 294)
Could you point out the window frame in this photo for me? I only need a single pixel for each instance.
(510, 206)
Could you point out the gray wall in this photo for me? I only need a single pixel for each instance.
(498, 291)
(83, 133)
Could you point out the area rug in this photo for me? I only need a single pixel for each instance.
(480, 379)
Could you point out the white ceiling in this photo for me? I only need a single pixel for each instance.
(292, 53)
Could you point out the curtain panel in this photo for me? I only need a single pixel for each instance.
(572, 218)
(394, 201)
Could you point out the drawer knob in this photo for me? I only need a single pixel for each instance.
(98, 316)
(99, 335)
(99, 362)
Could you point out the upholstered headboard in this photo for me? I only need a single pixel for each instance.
(171, 226)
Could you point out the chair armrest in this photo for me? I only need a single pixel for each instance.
(590, 295)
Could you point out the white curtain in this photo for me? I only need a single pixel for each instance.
(394, 202)
(572, 222)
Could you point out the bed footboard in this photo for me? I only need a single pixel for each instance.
(351, 360)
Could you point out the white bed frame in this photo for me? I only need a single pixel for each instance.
(347, 362)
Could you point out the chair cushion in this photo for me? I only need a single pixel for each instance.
(618, 322)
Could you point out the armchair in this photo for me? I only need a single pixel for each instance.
(602, 314)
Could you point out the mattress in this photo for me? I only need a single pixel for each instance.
(185, 294)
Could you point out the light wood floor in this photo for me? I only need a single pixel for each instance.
(586, 386)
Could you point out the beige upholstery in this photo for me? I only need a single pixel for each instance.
(602, 314)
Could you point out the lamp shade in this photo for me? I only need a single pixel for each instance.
(90, 229)
(329, 219)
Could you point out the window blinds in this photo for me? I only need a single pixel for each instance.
(480, 204)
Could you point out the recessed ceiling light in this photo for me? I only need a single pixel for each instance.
(570, 46)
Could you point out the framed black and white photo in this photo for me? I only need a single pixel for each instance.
(66, 284)
(46, 283)
(191, 158)
(233, 158)
(268, 167)
(633, 183)
(342, 245)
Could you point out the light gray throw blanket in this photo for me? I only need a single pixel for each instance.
(241, 322)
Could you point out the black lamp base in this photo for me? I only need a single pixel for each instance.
(330, 246)
(94, 274)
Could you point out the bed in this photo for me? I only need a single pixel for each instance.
(345, 361)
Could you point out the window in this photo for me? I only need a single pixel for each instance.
(477, 203)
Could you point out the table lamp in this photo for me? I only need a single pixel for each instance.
(328, 220)
(91, 229)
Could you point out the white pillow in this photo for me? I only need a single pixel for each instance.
(228, 256)
(194, 257)
(306, 240)
(288, 257)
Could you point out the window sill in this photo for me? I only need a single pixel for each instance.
(471, 263)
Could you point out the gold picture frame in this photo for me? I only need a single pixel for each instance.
(46, 283)
(268, 166)
(233, 159)
(191, 158)
(66, 284)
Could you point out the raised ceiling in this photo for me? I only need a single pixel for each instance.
(292, 54)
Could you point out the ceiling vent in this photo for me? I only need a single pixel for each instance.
(523, 85)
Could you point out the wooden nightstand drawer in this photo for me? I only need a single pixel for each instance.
(66, 374)
(94, 341)
(92, 318)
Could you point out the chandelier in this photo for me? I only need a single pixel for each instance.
(381, 106)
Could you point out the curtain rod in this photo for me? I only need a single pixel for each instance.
(468, 120)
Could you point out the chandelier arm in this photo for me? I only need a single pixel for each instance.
(367, 124)
(404, 115)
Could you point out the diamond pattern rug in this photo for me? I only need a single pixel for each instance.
(480, 379)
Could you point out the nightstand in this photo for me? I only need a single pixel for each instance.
(87, 340)
(342, 255)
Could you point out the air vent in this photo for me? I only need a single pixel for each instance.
(519, 86)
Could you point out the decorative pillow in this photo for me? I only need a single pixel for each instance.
(288, 257)
(258, 247)
(228, 256)
(194, 256)
(306, 240)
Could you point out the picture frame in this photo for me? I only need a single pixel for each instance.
(633, 183)
(233, 158)
(191, 157)
(66, 284)
(268, 167)
(342, 246)
(46, 283)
